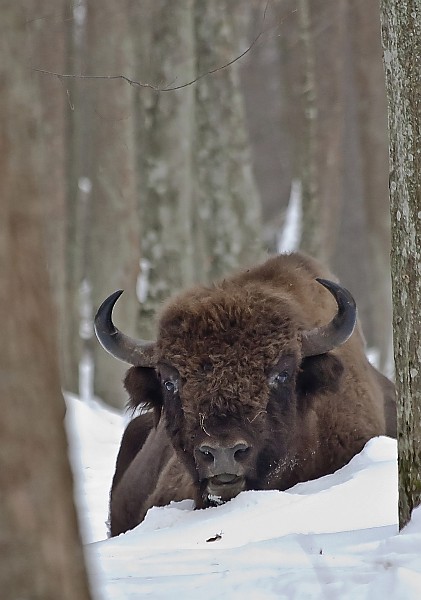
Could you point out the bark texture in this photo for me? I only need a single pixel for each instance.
(39, 543)
(322, 29)
(198, 206)
(371, 112)
(402, 59)
(46, 38)
(111, 228)
(228, 211)
(162, 33)
(76, 171)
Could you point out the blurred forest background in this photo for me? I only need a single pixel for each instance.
(148, 188)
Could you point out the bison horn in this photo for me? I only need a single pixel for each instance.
(135, 352)
(339, 330)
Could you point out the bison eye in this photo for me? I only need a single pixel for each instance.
(170, 385)
(282, 377)
(279, 378)
(283, 372)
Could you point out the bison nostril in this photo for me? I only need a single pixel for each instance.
(241, 451)
(223, 459)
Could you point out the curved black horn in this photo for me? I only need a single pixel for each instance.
(327, 337)
(134, 352)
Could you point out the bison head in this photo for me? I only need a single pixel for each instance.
(234, 372)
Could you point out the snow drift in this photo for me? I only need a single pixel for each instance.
(332, 538)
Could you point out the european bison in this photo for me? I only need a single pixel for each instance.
(256, 382)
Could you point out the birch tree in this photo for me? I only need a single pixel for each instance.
(402, 59)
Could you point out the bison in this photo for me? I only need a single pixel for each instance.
(256, 382)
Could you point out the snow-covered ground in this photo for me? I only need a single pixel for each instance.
(333, 538)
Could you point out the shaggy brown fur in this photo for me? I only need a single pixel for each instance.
(230, 375)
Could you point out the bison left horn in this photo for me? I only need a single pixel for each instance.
(134, 352)
(327, 337)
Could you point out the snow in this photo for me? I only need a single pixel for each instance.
(332, 538)
(288, 239)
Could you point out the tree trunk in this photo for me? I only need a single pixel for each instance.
(268, 110)
(402, 59)
(197, 202)
(39, 542)
(48, 49)
(373, 143)
(76, 172)
(322, 36)
(111, 231)
(228, 209)
(162, 31)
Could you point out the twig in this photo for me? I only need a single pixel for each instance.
(150, 86)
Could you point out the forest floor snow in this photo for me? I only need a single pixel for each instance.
(332, 538)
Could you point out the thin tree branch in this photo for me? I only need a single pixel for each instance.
(155, 88)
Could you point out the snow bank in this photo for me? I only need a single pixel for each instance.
(332, 538)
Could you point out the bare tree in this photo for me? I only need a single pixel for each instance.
(76, 136)
(162, 33)
(198, 206)
(339, 149)
(41, 551)
(322, 27)
(402, 59)
(46, 39)
(371, 124)
(111, 227)
(178, 159)
(271, 129)
(228, 209)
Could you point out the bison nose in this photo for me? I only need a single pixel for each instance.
(220, 460)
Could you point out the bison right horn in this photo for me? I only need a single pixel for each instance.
(134, 352)
(327, 337)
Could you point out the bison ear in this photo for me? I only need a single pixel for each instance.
(144, 389)
(319, 374)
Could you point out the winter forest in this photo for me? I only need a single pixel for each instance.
(149, 145)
